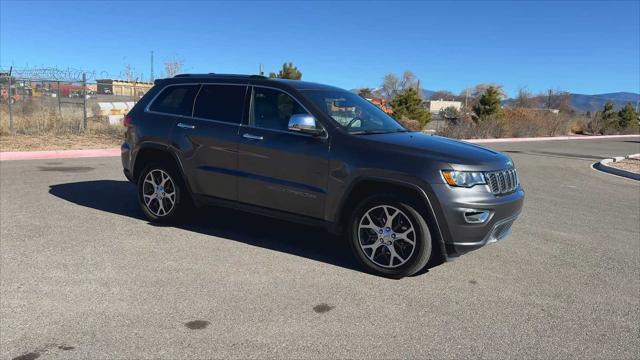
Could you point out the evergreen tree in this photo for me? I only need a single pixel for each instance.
(608, 115)
(488, 104)
(627, 117)
(288, 72)
(408, 105)
(366, 93)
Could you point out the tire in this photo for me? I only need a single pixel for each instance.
(150, 197)
(386, 249)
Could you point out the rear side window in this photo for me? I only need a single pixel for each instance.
(221, 103)
(176, 100)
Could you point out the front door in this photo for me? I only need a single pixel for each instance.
(281, 169)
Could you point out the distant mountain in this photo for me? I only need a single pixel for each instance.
(583, 103)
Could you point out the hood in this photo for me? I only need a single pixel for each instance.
(460, 155)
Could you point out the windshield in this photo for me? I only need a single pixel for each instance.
(355, 114)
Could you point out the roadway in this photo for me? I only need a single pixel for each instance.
(82, 275)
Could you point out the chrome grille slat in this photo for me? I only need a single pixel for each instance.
(503, 185)
(513, 180)
(502, 182)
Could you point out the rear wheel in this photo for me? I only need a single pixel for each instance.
(161, 193)
(390, 237)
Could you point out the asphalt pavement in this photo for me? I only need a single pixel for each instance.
(82, 275)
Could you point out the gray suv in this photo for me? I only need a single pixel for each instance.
(318, 155)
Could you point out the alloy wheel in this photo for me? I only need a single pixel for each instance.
(159, 192)
(387, 236)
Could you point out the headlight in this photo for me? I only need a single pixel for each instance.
(463, 178)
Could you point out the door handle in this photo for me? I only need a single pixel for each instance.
(252, 137)
(185, 126)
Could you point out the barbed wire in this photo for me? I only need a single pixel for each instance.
(53, 73)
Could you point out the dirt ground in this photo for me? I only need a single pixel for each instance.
(59, 142)
(632, 165)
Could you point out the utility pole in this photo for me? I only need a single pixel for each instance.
(84, 101)
(10, 100)
(261, 71)
(466, 97)
(152, 66)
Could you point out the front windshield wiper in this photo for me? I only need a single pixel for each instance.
(370, 132)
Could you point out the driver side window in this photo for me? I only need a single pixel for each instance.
(271, 109)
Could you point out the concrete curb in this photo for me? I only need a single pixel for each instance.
(65, 154)
(604, 166)
(549, 138)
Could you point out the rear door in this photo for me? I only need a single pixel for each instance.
(208, 140)
(281, 169)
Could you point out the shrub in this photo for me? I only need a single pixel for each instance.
(410, 124)
(511, 122)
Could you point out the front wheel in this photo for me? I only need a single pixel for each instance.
(390, 237)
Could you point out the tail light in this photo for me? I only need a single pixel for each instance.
(127, 121)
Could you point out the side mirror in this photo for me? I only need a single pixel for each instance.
(304, 123)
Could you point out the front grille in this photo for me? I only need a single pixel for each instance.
(503, 181)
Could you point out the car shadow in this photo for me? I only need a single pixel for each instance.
(119, 197)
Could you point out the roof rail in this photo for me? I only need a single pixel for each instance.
(222, 76)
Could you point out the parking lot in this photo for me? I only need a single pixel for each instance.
(84, 276)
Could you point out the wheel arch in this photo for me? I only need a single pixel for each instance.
(367, 186)
(156, 152)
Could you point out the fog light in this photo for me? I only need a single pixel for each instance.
(473, 216)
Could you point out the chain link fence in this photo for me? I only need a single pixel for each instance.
(46, 106)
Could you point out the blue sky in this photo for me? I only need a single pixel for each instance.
(584, 47)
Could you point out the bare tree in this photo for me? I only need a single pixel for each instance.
(128, 73)
(557, 99)
(524, 99)
(408, 80)
(392, 86)
(173, 67)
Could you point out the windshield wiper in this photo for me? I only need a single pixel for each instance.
(370, 132)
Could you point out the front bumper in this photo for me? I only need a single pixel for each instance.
(459, 235)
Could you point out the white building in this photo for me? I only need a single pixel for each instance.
(434, 106)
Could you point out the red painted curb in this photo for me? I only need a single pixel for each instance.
(58, 154)
(64, 154)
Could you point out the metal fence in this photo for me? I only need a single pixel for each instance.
(33, 105)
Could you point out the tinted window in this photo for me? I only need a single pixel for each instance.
(272, 109)
(176, 100)
(220, 102)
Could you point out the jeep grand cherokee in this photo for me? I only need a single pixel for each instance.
(322, 156)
